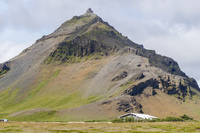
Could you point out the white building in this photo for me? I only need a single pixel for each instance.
(3, 120)
(138, 116)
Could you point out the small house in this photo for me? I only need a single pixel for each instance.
(3, 120)
(138, 116)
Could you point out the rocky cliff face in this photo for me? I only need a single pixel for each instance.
(86, 63)
(4, 68)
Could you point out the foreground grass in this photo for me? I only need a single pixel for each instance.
(167, 127)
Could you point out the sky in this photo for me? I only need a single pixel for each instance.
(170, 27)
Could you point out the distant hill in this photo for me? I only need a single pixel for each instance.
(87, 70)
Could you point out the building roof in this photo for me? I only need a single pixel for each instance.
(143, 116)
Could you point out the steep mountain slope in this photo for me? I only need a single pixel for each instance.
(87, 70)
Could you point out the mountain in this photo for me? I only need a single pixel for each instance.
(87, 70)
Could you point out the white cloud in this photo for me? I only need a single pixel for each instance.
(10, 49)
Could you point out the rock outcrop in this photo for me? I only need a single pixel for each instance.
(4, 68)
(89, 10)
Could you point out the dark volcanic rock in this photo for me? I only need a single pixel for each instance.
(4, 68)
(138, 89)
(130, 105)
(121, 76)
(165, 63)
(148, 88)
(89, 11)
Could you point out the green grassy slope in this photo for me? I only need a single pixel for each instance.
(59, 87)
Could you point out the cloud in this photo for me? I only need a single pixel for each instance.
(10, 49)
(12, 42)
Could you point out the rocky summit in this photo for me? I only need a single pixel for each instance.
(87, 70)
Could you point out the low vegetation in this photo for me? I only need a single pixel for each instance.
(167, 119)
(2, 72)
(140, 127)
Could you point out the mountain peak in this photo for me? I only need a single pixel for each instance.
(90, 62)
(89, 10)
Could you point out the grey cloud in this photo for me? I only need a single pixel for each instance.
(9, 50)
(2, 23)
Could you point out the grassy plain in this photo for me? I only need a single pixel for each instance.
(157, 127)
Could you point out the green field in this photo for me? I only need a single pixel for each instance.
(157, 127)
